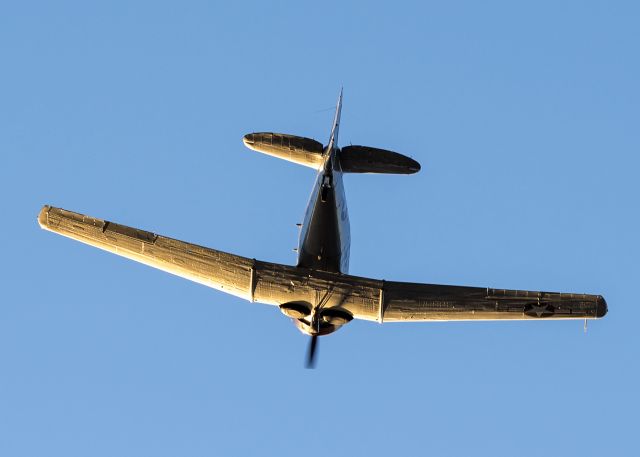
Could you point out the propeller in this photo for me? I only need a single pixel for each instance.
(311, 352)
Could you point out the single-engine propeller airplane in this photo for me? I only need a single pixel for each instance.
(318, 294)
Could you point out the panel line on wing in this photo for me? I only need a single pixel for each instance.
(381, 304)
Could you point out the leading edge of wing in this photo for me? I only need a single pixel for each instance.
(275, 284)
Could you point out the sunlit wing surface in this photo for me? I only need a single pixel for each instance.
(275, 284)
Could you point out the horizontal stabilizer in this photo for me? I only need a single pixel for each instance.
(297, 149)
(364, 159)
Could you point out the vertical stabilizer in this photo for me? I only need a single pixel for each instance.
(333, 139)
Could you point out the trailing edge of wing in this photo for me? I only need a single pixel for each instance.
(275, 284)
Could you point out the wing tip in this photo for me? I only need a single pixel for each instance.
(43, 217)
(601, 307)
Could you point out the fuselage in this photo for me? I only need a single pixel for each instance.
(325, 236)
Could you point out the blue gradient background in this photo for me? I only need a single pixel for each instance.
(525, 120)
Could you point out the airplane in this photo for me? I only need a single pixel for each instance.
(318, 294)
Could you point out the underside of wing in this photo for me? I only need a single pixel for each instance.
(389, 301)
(323, 292)
(418, 302)
(226, 272)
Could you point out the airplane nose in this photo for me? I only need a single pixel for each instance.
(601, 306)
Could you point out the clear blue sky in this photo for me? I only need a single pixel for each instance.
(525, 120)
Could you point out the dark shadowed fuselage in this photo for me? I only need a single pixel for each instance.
(325, 237)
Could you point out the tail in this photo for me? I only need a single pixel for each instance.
(333, 138)
(310, 153)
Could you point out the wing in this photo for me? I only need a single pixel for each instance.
(419, 302)
(226, 272)
(276, 284)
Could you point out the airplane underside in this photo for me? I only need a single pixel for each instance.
(318, 294)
